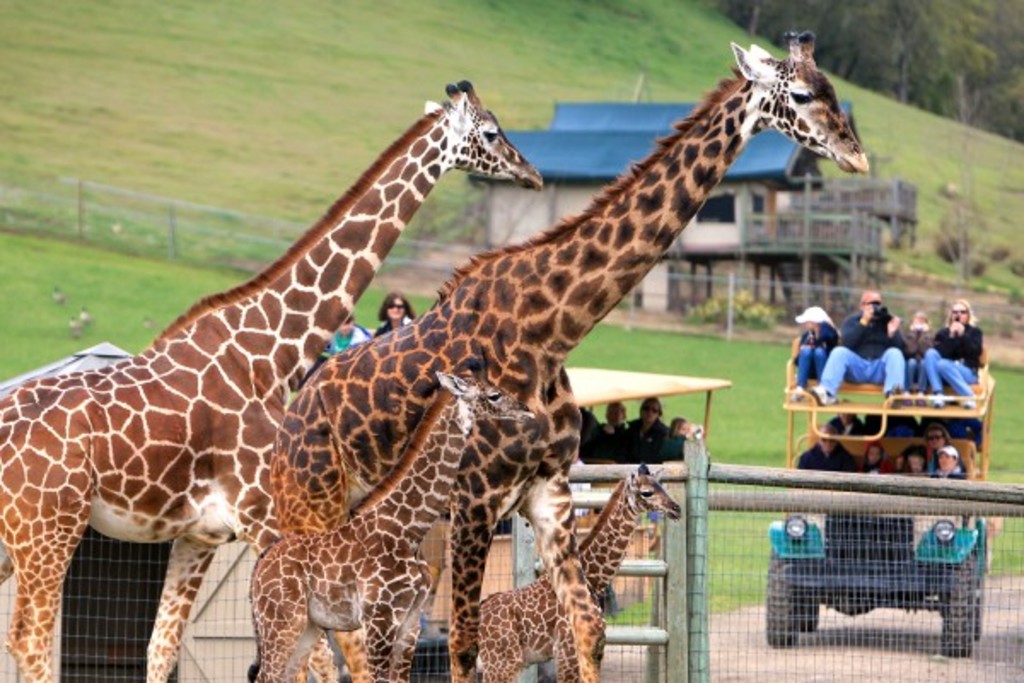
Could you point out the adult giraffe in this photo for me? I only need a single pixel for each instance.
(520, 310)
(175, 443)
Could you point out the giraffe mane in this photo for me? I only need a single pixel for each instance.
(416, 445)
(612, 191)
(341, 206)
(606, 511)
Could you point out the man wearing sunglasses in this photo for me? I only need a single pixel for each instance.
(956, 356)
(871, 352)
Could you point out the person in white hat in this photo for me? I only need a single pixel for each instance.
(818, 339)
(949, 465)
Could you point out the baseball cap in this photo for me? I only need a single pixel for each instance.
(950, 451)
(814, 314)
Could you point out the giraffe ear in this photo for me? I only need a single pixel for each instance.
(456, 386)
(756, 65)
(432, 107)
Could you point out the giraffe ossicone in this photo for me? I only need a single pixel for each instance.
(369, 573)
(520, 310)
(175, 442)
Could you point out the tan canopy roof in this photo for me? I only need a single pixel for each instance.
(594, 386)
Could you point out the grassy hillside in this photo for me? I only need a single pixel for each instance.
(274, 108)
(748, 423)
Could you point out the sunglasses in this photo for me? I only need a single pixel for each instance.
(651, 409)
(958, 311)
(870, 303)
(397, 306)
(935, 437)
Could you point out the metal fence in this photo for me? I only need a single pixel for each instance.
(709, 612)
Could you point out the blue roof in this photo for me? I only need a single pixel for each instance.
(597, 141)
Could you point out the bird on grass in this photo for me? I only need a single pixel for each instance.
(85, 317)
(75, 328)
(58, 296)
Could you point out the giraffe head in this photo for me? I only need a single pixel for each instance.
(477, 144)
(479, 401)
(798, 100)
(645, 493)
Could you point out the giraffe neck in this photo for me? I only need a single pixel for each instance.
(560, 284)
(416, 491)
(602, 551)
(285, 315)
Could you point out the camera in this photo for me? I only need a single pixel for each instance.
(881, 313)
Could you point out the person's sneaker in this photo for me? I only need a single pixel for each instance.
(937, 402)
(823, 397)
(970, 405)
(797, 396)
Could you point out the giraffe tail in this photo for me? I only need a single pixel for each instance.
(254, 670)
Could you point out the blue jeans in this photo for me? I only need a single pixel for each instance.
(957, 375)
(917, 378)
(843, 364)
(806, 359)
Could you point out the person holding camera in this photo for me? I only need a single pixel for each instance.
(956, 356)
(871, 352)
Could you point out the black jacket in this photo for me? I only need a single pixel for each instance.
(967, 347)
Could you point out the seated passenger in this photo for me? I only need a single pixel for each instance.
(817, 340)
(848, 424)
(949, 465)
(678, 431)
(876, 460)
(828, 455)
(956, 357)
(607, 441)
(918, 340)
(936, 436)
(645, 435)
(871, 352)
(915, 460)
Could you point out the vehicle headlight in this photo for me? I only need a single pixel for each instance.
(796, 528)
(944, 530)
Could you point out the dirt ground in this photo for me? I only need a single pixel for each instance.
(884, 645)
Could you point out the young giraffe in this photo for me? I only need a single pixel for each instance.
(520, 310)
(517, 627)
(369, 571)
(175, 443)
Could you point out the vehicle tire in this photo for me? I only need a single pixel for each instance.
(780, 624)
(805, 614)
(961, 615)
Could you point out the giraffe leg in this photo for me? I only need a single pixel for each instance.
(548, 506)
(40, 566)
(185, 569)
(565, 651)
(404, 648)
(6, 566)
(470, 543)
(353, 646)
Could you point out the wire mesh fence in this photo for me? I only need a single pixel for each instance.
(871, 592)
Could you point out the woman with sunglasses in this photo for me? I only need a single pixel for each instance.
(956, 356)
(394, 312)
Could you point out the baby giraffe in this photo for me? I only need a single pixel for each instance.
(517, 628)
(369, 572)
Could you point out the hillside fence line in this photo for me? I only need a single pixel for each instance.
(158, 227)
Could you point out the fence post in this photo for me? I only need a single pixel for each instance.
(523, 562)
(81, 209)
(172, 227)
(697, 560)
(731, 307)
(676, 602)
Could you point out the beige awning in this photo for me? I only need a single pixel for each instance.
(594, 386)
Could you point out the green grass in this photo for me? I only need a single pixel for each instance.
(275, 110)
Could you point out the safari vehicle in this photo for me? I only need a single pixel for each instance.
(855, 563)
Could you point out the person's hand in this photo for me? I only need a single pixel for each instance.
(608, 429)
(956, 328)
(894, 325)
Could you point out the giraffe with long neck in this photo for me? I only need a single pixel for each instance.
(518, 627)
(175, 442)
(369, 572)
(520, 310)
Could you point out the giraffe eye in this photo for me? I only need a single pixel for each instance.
(490, 136)
(493, 397)
(647, 493)
(801, 97)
